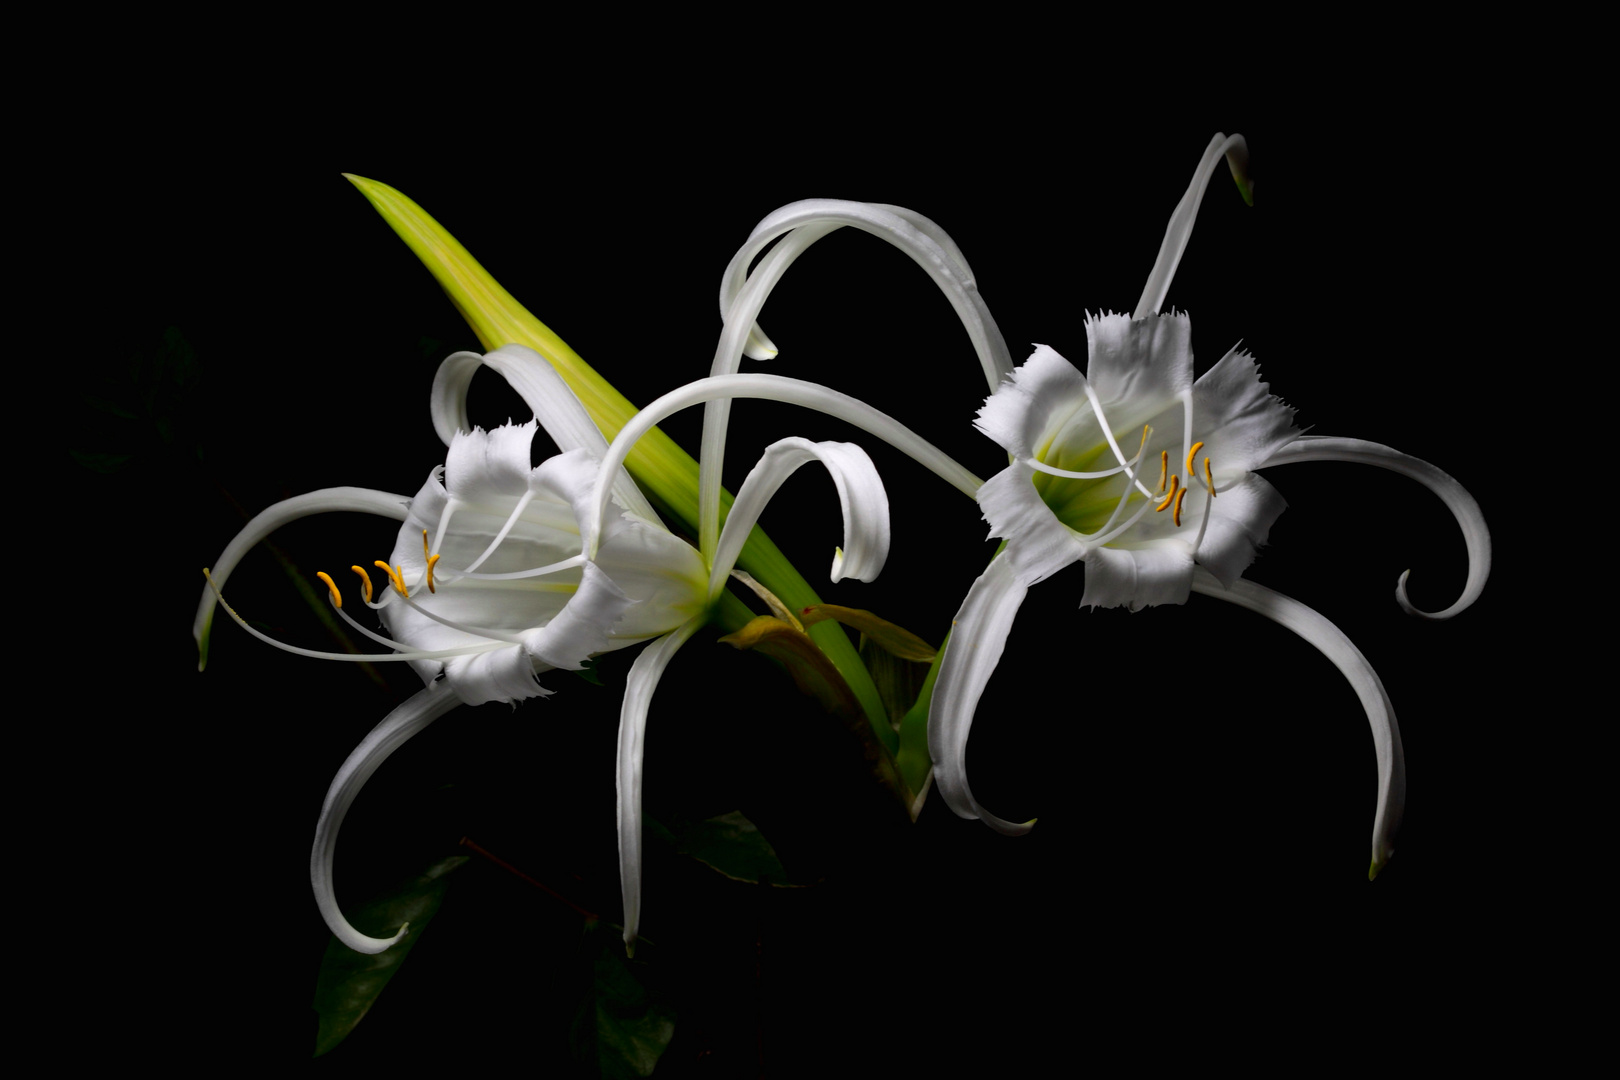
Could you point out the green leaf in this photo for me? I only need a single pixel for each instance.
(730, 845)
(349, 981)
(623, 1026)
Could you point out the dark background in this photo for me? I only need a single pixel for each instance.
(1204, 780)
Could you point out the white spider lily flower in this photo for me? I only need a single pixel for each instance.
(1148, 478)
(486, 586)
(1137, 471)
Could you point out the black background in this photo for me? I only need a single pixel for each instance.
(1204, 780)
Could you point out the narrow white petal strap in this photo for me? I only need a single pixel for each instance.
(324, 501)
(1461, 504)
(1179, 231)
(555, 405)
(978, 635)
(920, 238)
(638, 692)
(770, 388)
(1333, 644)
(415, 714)
(447, 402)
(743, 294)
(861, 496)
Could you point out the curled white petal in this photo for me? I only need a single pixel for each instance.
(770, 388)
(324, 501)
(1461, 504)
(1179, 231)
(411, 717)
(861, 496)
(638, 691)
(978, 635)
(448, 400)
(1333, 644)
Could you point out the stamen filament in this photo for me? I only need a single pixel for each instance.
(511, 520)
(424, 654)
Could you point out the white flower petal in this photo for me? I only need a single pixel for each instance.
(485, 467)
(1237, 417)
(448, 400)
(917, 236)
(325, 501)
(861, 497)
(1138, 365)
(1332, 643)
(638, 691)
(773, 388)
(978, 635)
(1462, 505)
(415, 714)
(581, 629)
(1033, 403)
(1038, 544)
(1236, 152)
(1138, 575)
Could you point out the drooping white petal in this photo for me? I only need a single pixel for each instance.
(411, 717)
(1179, 231)
(921, 239)
(773, 388)
(1333, 644)
(978, 635)
(638, 691)
(327, 500)
(448, 400)
(861, 497)
(1461, 504)
(743, 295)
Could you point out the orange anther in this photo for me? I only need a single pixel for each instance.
(431, 560)
(1197, 446)
(1181, 497)
(1175, 485)
(364, 577)
(337, 597)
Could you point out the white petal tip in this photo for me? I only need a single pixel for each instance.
(1418, 613)
(1008, 828)
(372, 946)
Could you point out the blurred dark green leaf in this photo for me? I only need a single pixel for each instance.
(729, 844)
(349, 981)
(624, 1025)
